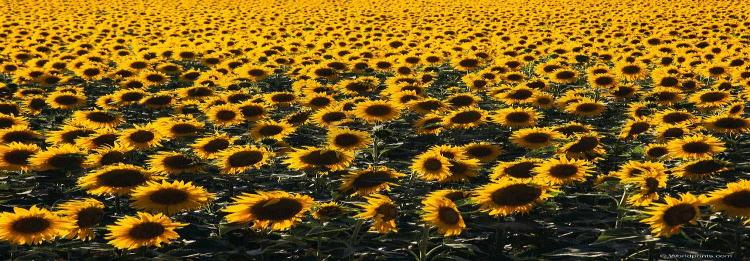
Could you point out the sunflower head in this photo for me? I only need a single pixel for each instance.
(667, 219)
(32, 226)
(275, 210)
(143, 229)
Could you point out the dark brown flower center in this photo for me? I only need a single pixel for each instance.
(679, 214)
(270, 130)
(322, 157)
(276, 209)
(216, 145)
(346, 140)
(178, 162)
(432, 165)
(387, 211)
(738, 199)
(563, 170)
(168, 196)
(371, 179)
(518, 117)
(696, 147)
(121, 178)
(18, 157)
(245, 158)
(516, 195)
(89, 217)
(378, 110)
(448, 215)
(142, 136)
(537, 137)
(226, 115)
(146, 230)
(466, 117)
(30, 225)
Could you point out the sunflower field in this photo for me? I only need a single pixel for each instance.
(374, 130)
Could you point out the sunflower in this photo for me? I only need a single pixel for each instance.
(461, 169)
(710, 98)
(108, 155)
(635, 127)
(87, 214)
(179, 126)
(563, 170)
(509, 196)
(31, 226)
(534, 138)
(573, 128)
(427, 105)
(65, 100)
(429, 124)
(382, 211)
(61, 157)
(666, 219)
(298, 118)
(585, 108)
(649, 184)
(8, 121)
(625, 91)
(734, 200)
(443, 214)
(347, 139)
(170, 198)
(699, 169)
(517, 117)
(159, 100)
(631, 71)
(225, 115)
(376, 111)
(585, 146)
(519, 169)
(482, 151)
(634, 169)
(727, 124)
(97, 119)
(252, 111)
(235, 160)
(518, 94)
(271, 130)
(209, 147)
(696, 146)
(196, 92)
(564, 76)
(129, 96)
(656, 151)
(318, 101)
(68, 134)
(669, 132)
(141, 137)
(330, 116)
(603, 81)
(328, 210)
(275, 210)
(172, 163)
(117, 179)
(16, 156)
(327, 157)
(431, 166)
(369, 181)
(463, 100)
(144, 229)
(665, 95)
(101, 138)
(450, 194)
(281, 98)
